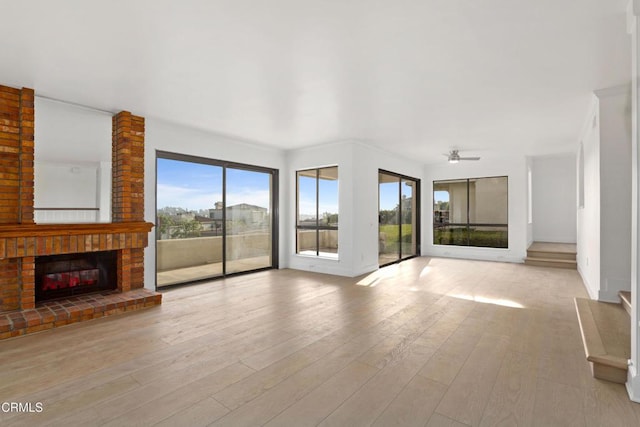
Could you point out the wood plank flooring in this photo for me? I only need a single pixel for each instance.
(429, 342)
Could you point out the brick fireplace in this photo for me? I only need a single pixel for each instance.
(22, 241)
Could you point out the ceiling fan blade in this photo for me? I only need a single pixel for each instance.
(469, 158)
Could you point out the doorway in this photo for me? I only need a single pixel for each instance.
(398, 217)
(213, 218)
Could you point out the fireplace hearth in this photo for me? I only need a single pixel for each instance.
(59, 276)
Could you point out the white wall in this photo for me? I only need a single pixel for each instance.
(529, 165)
(63, 185)
(588, 218)
(165, 136)
(633, 28)
(515, 168)
(554, 202)
(341, 155)
(604, 223)
(615, 192)
(358, 167)
(73, 147)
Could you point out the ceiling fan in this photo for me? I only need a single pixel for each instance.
(454, 157)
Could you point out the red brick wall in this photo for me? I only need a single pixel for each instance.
(128, 164)
(28, 284)
(27, 117)
(128, 191)
(137, 268)
(9, 284)
(16, 190)
(16, 155)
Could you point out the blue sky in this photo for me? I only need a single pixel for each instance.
(389, 194)
(195, 186)
(328, 196)
(440, 196)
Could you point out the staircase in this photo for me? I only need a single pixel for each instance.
(606, 334)
(625, 300)
(556, 255)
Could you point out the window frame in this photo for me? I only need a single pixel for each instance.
(317, 227)
(468, 224)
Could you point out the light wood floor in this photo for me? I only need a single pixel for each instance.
(434, 342)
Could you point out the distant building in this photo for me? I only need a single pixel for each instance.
(243, 212)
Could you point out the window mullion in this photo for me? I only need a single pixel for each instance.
(317, 212)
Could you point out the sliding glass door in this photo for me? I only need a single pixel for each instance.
(399, 229)
(248, 237)
(214, 218)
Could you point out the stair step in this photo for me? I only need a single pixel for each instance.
(606, 335)
(625, 298)
(551, 255)
(550, 262)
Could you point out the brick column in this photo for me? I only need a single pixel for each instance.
(16, 155)
(16, 190)
(27, 119)
(128, 167)
(128, 191)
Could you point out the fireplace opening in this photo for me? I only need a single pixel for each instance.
(59, 276)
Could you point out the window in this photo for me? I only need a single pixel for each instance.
(317, 212)
(471, 212)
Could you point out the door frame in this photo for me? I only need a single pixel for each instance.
(160, 154)
(417, 192)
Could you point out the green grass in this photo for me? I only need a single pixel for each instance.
(478, 238)
(391, 233)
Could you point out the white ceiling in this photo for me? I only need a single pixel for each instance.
(413, 76)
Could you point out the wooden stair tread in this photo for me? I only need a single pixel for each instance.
(625, 297)
(606, 332)
(567, 248)
(551, 255)
(555, 255)
(551, 263)
(559, 261)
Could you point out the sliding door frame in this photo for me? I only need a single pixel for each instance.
(416, 195)
(224, 165)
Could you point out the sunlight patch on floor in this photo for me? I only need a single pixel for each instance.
(372, 279)
(424, 272)
(485, 300)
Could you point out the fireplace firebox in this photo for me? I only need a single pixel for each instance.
(59, 276)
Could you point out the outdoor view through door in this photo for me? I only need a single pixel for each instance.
(213, 218)
(471, 212)
(399, 228)
(317, 212)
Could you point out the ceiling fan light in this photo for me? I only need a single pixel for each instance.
(453, 161)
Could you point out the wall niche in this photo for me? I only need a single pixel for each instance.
(72, 167)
